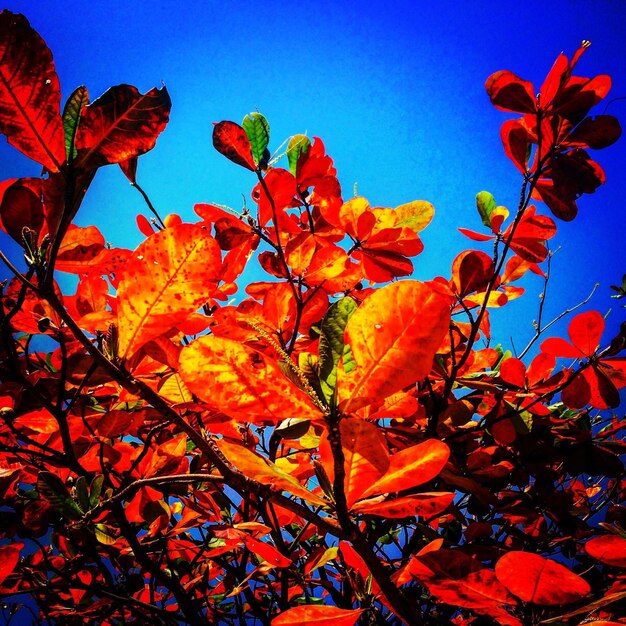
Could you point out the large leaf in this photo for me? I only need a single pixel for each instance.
(412, 466)
(30, 97)
(241, 382)
(258, 133)
(121, 124)
(393, 337)
(262, 470)
(609, 549)
(532, 578)
(332, 343)
(169, 276)
(317, 615)
(422, 504)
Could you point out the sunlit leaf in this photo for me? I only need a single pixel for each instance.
(393, 337)
(296, 146)
(169, 276)
(422, 504)
(415, 215)
(486, 205)
(532, 578)
(242, 382)
(30, 97)
(609, 549)
(231, 140)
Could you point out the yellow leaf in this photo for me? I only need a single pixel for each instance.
(415, 215)
(168, 277)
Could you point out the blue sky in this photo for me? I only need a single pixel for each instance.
(394, 89)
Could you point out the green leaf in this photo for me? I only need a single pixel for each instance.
(53, 489)
(258, 131)
(82, 495)
(297, 145)
(95, 490)
(332, 346)
(103, 535)
(71, 117)
(486, 205)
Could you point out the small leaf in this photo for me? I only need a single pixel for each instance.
(95, 489)
(258, 131)
(231, 140)
(332, 343)
(317, 616)
(297, 145)
(71, 117)
(53, 489)
(532, 578)
(486, 205)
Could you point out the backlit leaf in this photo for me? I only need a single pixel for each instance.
(30, 97)
(297, 145)
(121, 124)
(422, 504)
(532, 578)
(332, 343)
(53, 489)
(168, 277)
(242, 382)
(317, 615)
(258, 133)
(412, 466)
(415, 215)
(9, 557)
(486, 205)
(71, 117)
(393, 337)
(609, 549)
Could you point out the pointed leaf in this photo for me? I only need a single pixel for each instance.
(411, 467)
(317, 616)
(30, 97)
(241, 382)
(532, 578)
(393, 337)
(231, 140)
(297, 145)
(121, 124)
(258, 132)
(332, 343)
(264, 471)
(422, 504)
(71, 117)
(169, 276)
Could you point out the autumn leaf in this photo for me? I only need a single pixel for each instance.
(232, 141)
(608, 549)
(30, 96)
(71, 117)
(317, 615)
(393, 337)
(422, 504)
(169, 276)
(9, 558)
(242, 382)
(532, 578)
(120, 125)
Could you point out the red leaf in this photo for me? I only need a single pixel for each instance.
(532, 578)
(595, 132)
(585, 331)
(510, 93)
(609, 549)
(121, 125)
(516, 142)
(268, 552)
(231, 140)
(471, 271)
(30, 97)
(9, 557)
(20, 208)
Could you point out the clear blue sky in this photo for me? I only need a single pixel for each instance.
(395, 90)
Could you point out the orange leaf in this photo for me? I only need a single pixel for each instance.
(242, 382)
(412, 467)
(264, 471)
(532, 578)
(421, 504)
(393, 337)
(366, 456)
(320, 615)
(167, 278)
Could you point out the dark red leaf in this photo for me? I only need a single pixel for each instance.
(595, 132)
(231, 140)
(510, 93)
(21, 207)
